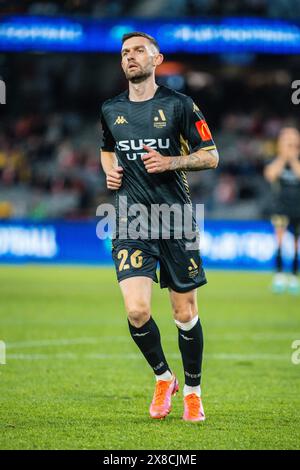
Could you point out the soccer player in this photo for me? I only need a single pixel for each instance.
(178, 140)
(284, 175)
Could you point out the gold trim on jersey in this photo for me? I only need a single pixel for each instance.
(185, 182)
(195, 108)
(184, 146)
(212, 147)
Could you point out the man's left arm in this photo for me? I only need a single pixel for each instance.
(198, 139)
(199, 160)
(196, 161)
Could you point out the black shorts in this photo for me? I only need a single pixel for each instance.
(287, 221)
(180, 269)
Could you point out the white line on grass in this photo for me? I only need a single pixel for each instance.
(51, 342)
(136, 356)
(122, 338)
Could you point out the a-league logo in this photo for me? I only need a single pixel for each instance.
(2, 92)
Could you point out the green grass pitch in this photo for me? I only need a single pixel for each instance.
(75, 380)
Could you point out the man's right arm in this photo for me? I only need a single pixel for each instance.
(114, 173)
(109, 161)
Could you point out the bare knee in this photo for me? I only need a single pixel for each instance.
(138, 315)
(185, 313)
(137, 298)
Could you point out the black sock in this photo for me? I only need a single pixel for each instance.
(278, 261)
(191, 348)
(147, 339)
(295, 260)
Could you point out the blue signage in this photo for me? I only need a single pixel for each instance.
(227, 35)
(224, 244)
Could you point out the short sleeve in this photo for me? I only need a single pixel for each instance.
(108, 142)
(194, 127)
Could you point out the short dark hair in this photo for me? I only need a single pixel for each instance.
(134, 34)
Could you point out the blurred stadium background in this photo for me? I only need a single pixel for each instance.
(60, 61)
(55, 84)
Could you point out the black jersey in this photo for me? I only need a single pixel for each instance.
(288, 193)
(172, 124)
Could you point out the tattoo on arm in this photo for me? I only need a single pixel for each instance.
(194, 162)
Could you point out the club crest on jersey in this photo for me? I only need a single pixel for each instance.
(160, 120)
(120, 120)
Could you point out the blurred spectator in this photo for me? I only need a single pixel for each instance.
(289, 9)
(226, 190)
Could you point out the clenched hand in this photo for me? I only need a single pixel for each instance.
(114, 178)
(154, 162)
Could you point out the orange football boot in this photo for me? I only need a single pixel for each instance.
(161, 404)
(193, 408)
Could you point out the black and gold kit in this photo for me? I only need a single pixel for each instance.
(286, 200)
(172, 124)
